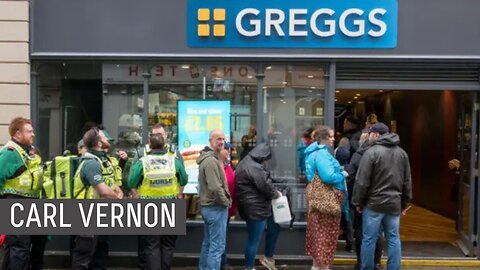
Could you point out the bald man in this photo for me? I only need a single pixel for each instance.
(215, 201)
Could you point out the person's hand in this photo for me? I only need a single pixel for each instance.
(280, 194)
(359, 209)
(179, 196)
(134, 194)
(118, 191)
(122, 155)
(454, 164)
(404, 211)
(345, 174)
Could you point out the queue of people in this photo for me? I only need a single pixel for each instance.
(365, 189)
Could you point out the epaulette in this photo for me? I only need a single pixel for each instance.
(11, 147)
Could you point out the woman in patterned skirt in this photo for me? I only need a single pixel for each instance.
(323, 229)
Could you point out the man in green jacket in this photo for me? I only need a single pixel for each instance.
(20, 179)
(145, 184)
(215, 201)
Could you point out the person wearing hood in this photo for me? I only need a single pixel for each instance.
(382, 191)
(214, 200)
(323, 229)
(255, 191)
(352, 169)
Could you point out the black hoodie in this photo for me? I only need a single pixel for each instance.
(383, 182)
(253, 185)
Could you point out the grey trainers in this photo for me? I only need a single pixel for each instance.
(268, 263)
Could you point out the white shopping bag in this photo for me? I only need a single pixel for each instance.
(281, 210)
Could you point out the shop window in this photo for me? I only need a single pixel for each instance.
(123, 103)
(295, 103)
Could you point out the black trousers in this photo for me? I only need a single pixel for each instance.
(24, 252)
(100, 256)
(158, 251)
(358, 231)
(82, 254)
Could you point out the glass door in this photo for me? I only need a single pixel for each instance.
(468, 130)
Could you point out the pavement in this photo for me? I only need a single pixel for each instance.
(335, 267)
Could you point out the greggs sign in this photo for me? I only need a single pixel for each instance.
(292, 23)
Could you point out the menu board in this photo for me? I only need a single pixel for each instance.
(196, 119)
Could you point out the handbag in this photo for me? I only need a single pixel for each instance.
(324, 198)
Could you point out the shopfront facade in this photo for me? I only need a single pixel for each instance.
(126, 65)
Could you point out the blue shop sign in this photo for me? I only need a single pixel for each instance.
(292, 23)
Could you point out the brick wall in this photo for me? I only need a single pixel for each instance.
(14, 63)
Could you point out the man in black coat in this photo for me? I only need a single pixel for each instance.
(351, 169)
(382, 191)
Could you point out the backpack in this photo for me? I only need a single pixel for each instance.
(58, 177)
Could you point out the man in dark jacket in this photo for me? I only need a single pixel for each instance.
(255, 191)
(382, 192)
(352, 169)
(352, 131)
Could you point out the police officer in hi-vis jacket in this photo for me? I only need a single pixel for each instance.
(20, 177)
(158, 175)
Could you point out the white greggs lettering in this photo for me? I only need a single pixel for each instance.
(274, 19)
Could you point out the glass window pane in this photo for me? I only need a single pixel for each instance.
(295, 102)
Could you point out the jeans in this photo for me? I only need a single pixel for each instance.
(255, 231)
(371, 229)
(224, 255)
(273, 230)
(358, 229)
(213, 245)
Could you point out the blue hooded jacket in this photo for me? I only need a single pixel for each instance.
(318, 159)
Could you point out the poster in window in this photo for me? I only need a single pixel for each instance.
(196, 118)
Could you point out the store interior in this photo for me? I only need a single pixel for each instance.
(434, 128)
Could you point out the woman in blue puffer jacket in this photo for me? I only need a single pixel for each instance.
(323, 229)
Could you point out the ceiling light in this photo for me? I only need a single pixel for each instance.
(185, 66)
(284, 82)
(381, 91)
(338, 91)
(249, 76)
(357, 95)
(269, 67)
(310, 76)
(336, 100)
(310, 91)
(313, 87)
(349, 102)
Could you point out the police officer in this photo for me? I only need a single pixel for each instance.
(158, 175)
(20, 176)
(92, 181)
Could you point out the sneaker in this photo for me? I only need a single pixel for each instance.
(269, 264)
